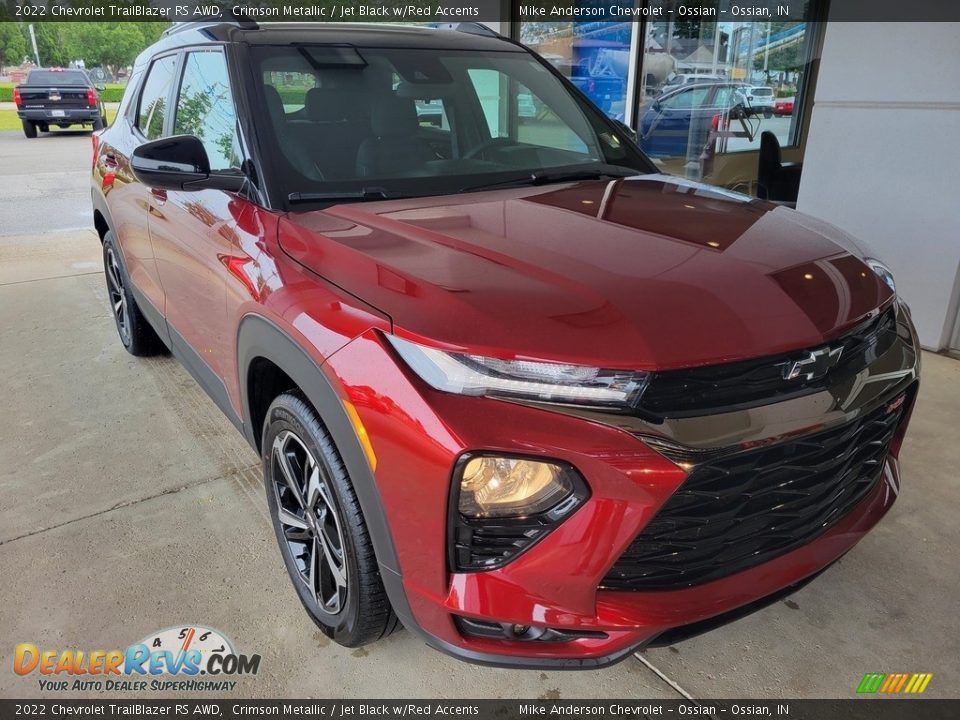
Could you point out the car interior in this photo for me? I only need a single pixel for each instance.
(407, 114)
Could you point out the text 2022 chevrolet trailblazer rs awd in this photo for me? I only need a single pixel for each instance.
(511, 387)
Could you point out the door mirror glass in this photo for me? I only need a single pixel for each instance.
(180, 163)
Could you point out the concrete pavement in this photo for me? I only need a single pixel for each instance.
(129, 504)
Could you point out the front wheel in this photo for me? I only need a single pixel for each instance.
(320, 528)
(29, 129)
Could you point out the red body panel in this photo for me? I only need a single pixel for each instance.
(650, 272)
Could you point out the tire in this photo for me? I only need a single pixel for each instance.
(29, 129)
(135, 332)
(313, 494)
(99, 123)
(767, 114)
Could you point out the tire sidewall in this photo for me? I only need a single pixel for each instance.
(285, 415)
(109, 244)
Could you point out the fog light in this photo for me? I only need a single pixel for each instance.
(500, 506)
(492, 486)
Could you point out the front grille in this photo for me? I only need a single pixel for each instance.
(741, 510)
(731, 386)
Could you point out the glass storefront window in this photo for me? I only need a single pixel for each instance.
(595, 56)
(710, 88)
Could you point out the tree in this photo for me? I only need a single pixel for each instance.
(13, 46)
(52, 38)
(105, 44)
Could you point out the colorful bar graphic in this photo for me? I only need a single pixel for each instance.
(894, 683)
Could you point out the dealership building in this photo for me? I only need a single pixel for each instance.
(866, 115)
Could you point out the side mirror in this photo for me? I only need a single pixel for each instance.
(627, 130)
(180, 163)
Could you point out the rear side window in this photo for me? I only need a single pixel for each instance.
(205, 108)
(153, 99)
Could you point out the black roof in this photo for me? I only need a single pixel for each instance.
(468, 37)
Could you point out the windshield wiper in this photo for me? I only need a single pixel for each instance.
(539, 177)
(367, 193)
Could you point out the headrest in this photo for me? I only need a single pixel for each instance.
(394, 117)
(274, 103)
(323, 105)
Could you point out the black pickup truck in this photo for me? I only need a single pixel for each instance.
(58, 96)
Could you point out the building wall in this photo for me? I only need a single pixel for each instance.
(883, 156)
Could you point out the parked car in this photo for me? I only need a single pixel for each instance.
(758, 100)
(60, 97)
(510, 387)
(676, 80)
(678, 123)
(783, 106)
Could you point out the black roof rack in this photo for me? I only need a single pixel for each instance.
(229, 17)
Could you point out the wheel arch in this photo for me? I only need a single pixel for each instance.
(261, 344)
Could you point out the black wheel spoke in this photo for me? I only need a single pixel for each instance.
(309, 521)
(118, 298)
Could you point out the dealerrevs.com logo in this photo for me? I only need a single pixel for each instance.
(169, 660)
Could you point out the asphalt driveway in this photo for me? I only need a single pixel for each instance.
(129, 504)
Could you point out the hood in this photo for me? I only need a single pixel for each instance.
(650, 272)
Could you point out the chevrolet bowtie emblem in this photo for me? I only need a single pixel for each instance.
(815, 365)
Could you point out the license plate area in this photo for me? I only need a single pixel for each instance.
(58, 113)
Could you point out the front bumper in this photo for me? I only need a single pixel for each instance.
(418, 434)
(70, 115)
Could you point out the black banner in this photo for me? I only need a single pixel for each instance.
(853, 709)
(454, 11)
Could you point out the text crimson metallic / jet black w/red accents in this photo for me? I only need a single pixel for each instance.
(512, 388)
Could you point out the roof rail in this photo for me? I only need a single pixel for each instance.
(229, 18)
(474, 28)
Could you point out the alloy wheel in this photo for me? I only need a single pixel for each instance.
(118, 298)
(309, 521)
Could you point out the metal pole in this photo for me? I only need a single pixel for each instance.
(766, 55)
(33, 41)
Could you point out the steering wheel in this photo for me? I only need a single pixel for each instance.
(486, 145)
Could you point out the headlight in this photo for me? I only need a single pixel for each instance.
(550, 382)
(496, 486)
(883, 271)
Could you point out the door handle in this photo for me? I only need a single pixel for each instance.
(159, 194)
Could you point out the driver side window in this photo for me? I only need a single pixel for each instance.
(205, 108)
(695, 97)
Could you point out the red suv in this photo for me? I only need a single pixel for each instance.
(511, 387)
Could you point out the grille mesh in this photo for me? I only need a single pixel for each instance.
(741, 510)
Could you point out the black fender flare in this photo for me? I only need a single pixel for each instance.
(259, 337)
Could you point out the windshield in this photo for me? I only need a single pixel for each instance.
(376, 122)
(57, 78)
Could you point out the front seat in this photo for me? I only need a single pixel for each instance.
(776, 180)
(291, 149)
(394, 148)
